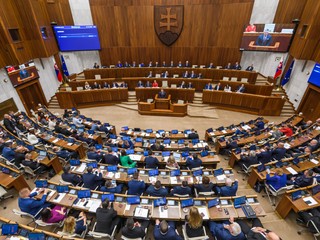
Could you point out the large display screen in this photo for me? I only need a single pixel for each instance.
(77, 38)
(267, 37)
(315, 75)
(23, 73)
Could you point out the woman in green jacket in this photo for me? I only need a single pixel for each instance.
(126, 161)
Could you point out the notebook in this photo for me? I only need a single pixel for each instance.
(41, 183)
(9, 229)
(213, 202)
(74, 162)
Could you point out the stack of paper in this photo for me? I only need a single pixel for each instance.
(117, 175)
(141, 212)
(135, 157)
(152, 179)
(221, 177)
(292, 171)
(310, 201)
(314, 161)
(56, 140)
(287, 145)
(110, 175)
(173, 180)
(61, 196)
(81, 168)
(93, 205)
(203, 211)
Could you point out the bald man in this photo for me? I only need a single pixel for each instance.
(29, 204)
(279, 152)
(229, 189)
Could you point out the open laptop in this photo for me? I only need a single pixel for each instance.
(153, 172)
(41, 183)
(214, 202)
(62, 189)
(84, 194)
(9, 229)
(159, 202)
(187, 202)
(133, 200)
(237, 202)
(36, 236)
(296, 195)
(110, 197)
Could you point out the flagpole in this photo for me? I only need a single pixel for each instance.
(65, 81)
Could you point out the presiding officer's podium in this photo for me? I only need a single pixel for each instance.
(162, 103)
(162, 106)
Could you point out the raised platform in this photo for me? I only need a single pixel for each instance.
(176, 110)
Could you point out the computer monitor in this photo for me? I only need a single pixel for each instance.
(36, 236)
(174, 131)
(112, 168)
(84, 193)
(159, 202)
(9, 229)
(62, 189)
(166, 141)
(130, 151)
(131, 171)
(204, 153)
(107, 196)
(43, 153)
(166, 154)
(92, 164)
(187, 202)
(296, 195)
(214, 202)
(175, 173)
(74, 162)
(153, 172)
(152, 141)
(133, 200)
(218, 172)
(237, 202)
(41, 183)
(261, 168)
(197, 173)
(185, 154)
(138, 139)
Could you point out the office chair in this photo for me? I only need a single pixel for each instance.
(27, 215)
(272, 193)
(184, 231)
(3, 192)
(247, 170)
(41, 223)
(98, 235)
(311, 224)
(28, 171)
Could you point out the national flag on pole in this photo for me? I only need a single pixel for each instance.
(58, 73)
(64, 66)
(279, 70)
(286, 78)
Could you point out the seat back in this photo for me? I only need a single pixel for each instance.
(205, 236)
(64, 182)
(225, 78)
(234, 79)
(28, 170)
(181, 195)
(22, 214)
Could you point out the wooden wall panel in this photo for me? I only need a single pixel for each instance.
(212, 31)
(288, 10)
(310, 104)
(59, 12)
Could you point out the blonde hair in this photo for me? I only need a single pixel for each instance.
(171, 160)
(69, 225)
(279, 171)
(195, 219)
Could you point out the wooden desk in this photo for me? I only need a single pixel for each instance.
(244, 102)
(162, 103)
(91, 98)
(176, 110)
(8, 181)
(187, 95)
(215, 74)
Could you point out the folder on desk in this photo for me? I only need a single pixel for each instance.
(60, 196)
(141, 212)
(203, 212)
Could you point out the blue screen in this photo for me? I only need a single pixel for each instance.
(9, 229)
(77, 38)
(315, 75)
(37, 236)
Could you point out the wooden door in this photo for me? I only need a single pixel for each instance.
(310, 104)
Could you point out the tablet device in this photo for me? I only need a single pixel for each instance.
(9, 229)
(130, 151)
(181, 141)
(74, 162)
(159, 202)
(133, 200)
(138, 139)
(174, 131)
(37, 236)
(62, 189)
(112, 168)
(296, 195)
(166, 141)
(153, 172)
(197, 173)
(204, 153)
(213, 202)
(166, 154)
(149, 130)
(315, 189)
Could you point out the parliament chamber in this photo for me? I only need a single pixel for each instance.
(159, 120)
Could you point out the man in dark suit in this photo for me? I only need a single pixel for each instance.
(279, 152)
(151, 162)
(189, 85)
(67, 176)
(264, 39)
(92, 180)
(162, 94)
(265, 155)
(217, 87)
(187, 64)
(182, 85)
(193, 162)
(211, 65)
(110, 158)
(193, 75)
(208, 86)
(148, 84)
(193, 134)
(241, 89)
(250, 68)
(133, 229)
(8, 123)
(157, 190)
(165, 231)
(237, 66)
(229, 189)
(94, 154)
(136, 186)
(228, 66)
(182, 190)
(106, 218)
(185, 75)
(119, 65)
(206, 185)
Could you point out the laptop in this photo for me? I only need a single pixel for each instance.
(41, 183)
(187, 202)
(114, 149)
(84, 194)
(261, 168)
(112, 168)
(133, 200)
(153, 172)
(197, 173)
(139, 139)
(296, 195)
(74, 162)
(214, 202)
(43, 153)
(174, 131)
(36, 236)
(125, 128)
(166, 141)
(237, 202)
(152, 141)
(166, 154)
(5, 170)
(279, 164)
(9, 229)
(218, 172)
(62, 189)
(181, 141)
(159, 202)
(130, 151)
(107, 196)
(175, 173)
(149, 130)
(185, 154)
(92, 164)
(131, 171)
(204, 153)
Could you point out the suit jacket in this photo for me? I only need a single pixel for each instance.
(203, 188)
(152, 191)
(136, 232)
(250, 68)
(193, 163)
(193, 135)
(241, 89)
(91, 180)
(162, 95)
(151, 162)
(189, 86)
(31, 205)
(33, 165)
(278, 153)
(221, 233)
(94, 155)
(264, 157)
(140, 84)
(276, 181)
(209, 87)
(227, 191)
(104, 218)
(217, 87)
(72, 178)
(9, 125)
(251, 235)
(170, 235)
(8, 153)
(181, 190)
(136, 187)
(264, 41)
(110, 159)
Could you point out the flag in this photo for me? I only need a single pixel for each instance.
(279, 70)
(286, 78)
(64, 66)
(58, 73)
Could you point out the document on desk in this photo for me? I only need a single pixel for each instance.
(56, 140)
(69, 144)
(163, 213)
(157, 135)
(81, 168)
(52, 192)
(310, 201)
(166, 159)
(152, 179)
(117, 175)
(95, 204)
(314, 161)
(127, 207)
(224, 131)
(246, 127)
(130, 132)
(203, 212)
(110, 175)
(292, 171)
(221, 177)
(173, 180)
(141, 212)
(135, 157)
(287, 146)
(61, 196)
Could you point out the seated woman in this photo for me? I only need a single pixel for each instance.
(172, 164)
(111, 187)
(206, 185)
(227, 88)
(125, 160)
(75, 226)
(277, 181)
(87, 86)
(194, 223)
(53, 215)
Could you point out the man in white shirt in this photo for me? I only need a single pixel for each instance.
(77, 121)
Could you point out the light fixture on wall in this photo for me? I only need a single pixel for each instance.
(5, 80)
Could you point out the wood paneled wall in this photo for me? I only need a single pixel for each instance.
(310, 104)
(59, 12)
(307, 39)
(288, 10)
(212, 31)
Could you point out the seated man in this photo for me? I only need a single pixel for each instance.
(208, 86)
(227, 230)
(133, 229)
(304, 180)
(106, 218)
(241, 89)
(33, 164)
(193, 134)
(157, 190)
(110, 158)
(140, 84)
(182, 190)
(194, 161)
(94, 154)
(8, 151)
(165, 231)
(111, 187)
(311, 215)
(67, 176)
(250, 68)
(76, 120)
(92, 180)
(162, 94)
(218, 87)
(136, 186)
(206, 185)
(29, 204)
(279, 152)
(151, 162)
(229, 189)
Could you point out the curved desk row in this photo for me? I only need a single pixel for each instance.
(143, 94)
(215, 74)
(243, 102)
(91, 98)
